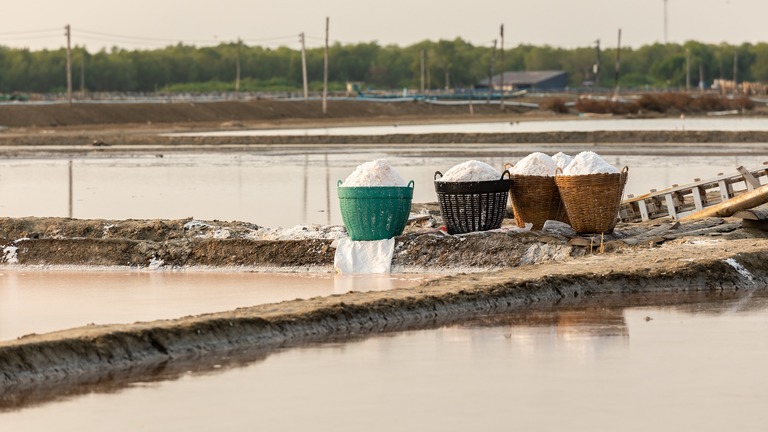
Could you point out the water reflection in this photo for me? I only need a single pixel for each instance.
(592, 365)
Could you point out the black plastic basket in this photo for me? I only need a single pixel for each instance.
(472, 206)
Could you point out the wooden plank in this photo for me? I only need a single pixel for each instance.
(752, 182)
(725, 190)
(697, 201)
(643, 211)
(671, 208)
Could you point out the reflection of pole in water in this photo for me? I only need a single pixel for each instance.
(70, 188)
(327, 191)
(306, 180)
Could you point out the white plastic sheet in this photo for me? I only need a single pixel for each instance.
(363, 256)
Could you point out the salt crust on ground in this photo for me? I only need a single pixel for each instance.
(589, 162)
(471, 171)
(375, 173)
(535, 164)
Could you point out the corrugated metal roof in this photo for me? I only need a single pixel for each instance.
(524, 77)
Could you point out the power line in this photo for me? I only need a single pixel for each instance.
(57, 31)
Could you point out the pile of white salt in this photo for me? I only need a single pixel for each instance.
(471, 171)
(535, 164)
(375, 173)
(589, 162)
(562, 160)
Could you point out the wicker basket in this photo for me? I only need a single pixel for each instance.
(472, 206)
(592, 201)
(535, 199)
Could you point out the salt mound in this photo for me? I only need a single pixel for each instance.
(374, 173)
(535, 164)
(562, 160)
(471, 171)
(589, 162)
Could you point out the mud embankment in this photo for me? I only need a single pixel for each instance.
(95, 353)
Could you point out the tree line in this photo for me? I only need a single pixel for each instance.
(449, 64)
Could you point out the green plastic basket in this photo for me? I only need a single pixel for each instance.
(375, 212)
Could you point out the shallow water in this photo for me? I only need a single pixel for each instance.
(280, 187)
(699, 366)
(44, 301)
(576, 125)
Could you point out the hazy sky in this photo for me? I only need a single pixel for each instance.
(146, 24)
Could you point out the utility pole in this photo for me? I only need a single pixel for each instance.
(304, 65)
(687, 70)
(618, 68)
(237, 70)
(325, 68)
(82, 75)
(423, 69)
(735, 72)
(501, 34)
(69, 65)
(596, 67)
(490, 71)
(665, 23)
(701, 78)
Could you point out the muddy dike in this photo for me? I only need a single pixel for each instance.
(40, 367)
(105, 141)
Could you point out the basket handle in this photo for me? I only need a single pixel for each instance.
(410, 184)
(559, 171)
(438, 173)
(509, 175)
(508, 165)
(625, 169)
(338, 184)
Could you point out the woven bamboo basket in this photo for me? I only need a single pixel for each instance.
(535, 199)
(592, 201)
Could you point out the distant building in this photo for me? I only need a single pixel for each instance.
(512, 81)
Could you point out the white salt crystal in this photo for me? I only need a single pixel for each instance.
(471, 171)
(562, 160)
(589, 162)
(535, 164)
(374, 173)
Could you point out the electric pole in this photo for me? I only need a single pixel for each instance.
(735, 72)
(490, 71)
(325, 68)
(687, 70)
(501, 34)
(69, 65)
(237, 70)
(618, 68)
(304, 65)
(596, 67)
(82, 75)
(423, 68)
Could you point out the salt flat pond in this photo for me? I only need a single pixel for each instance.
(288, 186)
(696, 366)
(576, 125)
(45, 301)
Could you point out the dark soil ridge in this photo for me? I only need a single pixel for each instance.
(103, 142)
(93, 353)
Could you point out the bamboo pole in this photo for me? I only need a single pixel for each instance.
(728, 208)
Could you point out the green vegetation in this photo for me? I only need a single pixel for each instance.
(188, 68)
